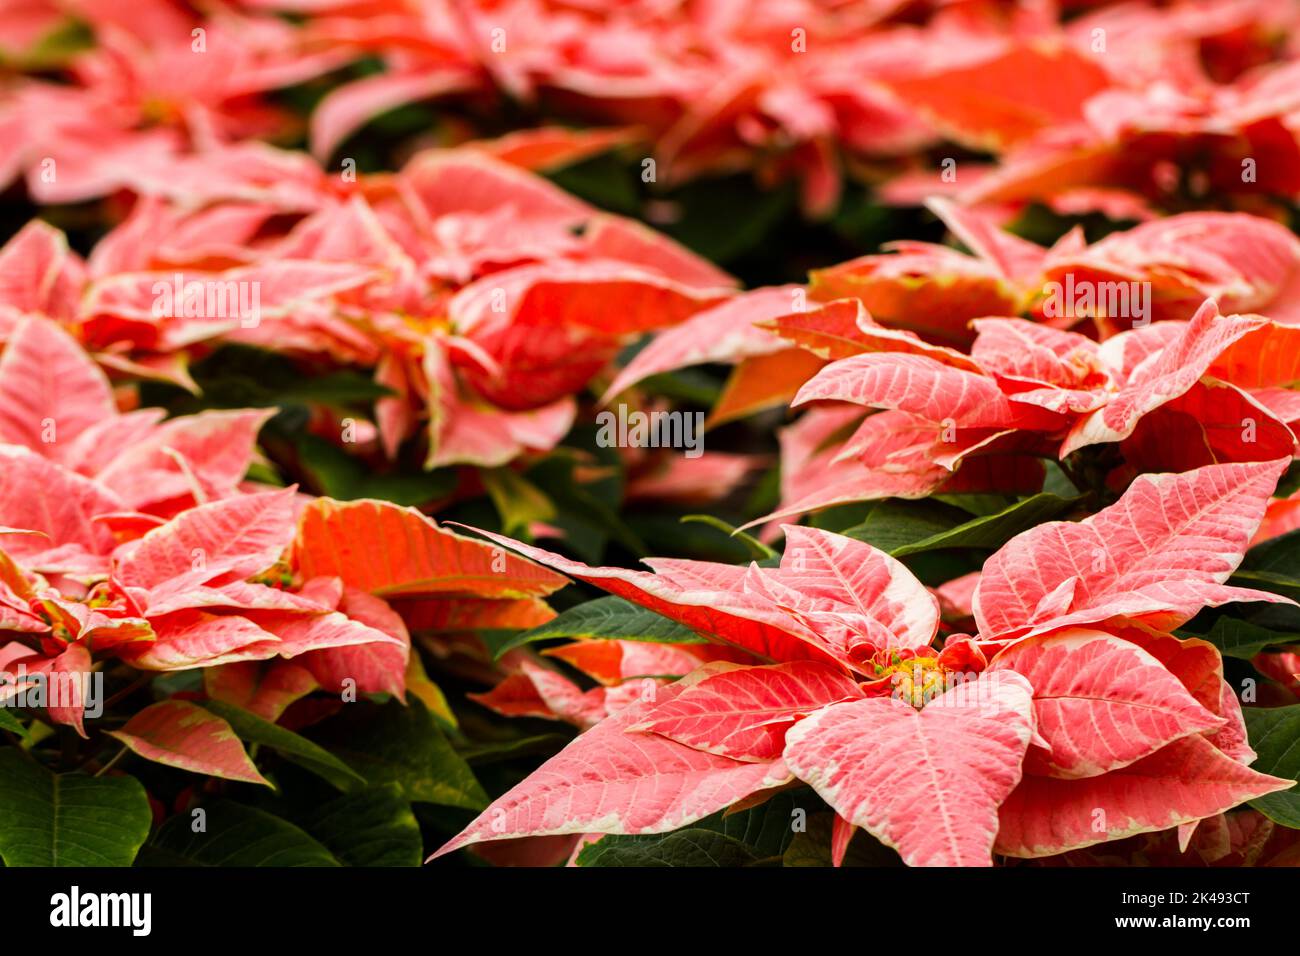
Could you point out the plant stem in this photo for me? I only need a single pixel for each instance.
(112, 760)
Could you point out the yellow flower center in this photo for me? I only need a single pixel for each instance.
(427, 324)
(160, 111)
(915, 681)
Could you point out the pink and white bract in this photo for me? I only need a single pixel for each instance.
(1071, 700)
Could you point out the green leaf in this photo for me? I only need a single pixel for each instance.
(56, 47)
(1283, 584)
(977, 505)
(403, 745)
(71, 819)
(587, 511)
(691, 386)
(11, 723)
(518, 501)
(1275, 735)
(604, 180)
(994, 530)
(1237, 638)
(894, 523)
(723, 218)
(1042, 225)
(757, 548)
(1280, 555)
(1057, 482)
(766, 495)
(545, 745)
(238, 376)
(1289, 483)
(369, 828)
(418, 683)
(496, 639)
(288, 744)
(812, 847)
(663, 532)
(760, 834)
(1272, 565)
(335, 473)
(339, 389)
(768, 828)
(840, 518)
(37, 731)
(690, 847)
(608, 618)
(235, 835)
(403, 489)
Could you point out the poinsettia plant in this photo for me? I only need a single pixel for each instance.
(159, 607)
(451, 317)
(295, 292)
(1071, 717)
(981, 366)
(1152, 109)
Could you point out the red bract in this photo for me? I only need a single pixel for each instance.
(1246, 262)
(219, 587)
(157, 85)
(1071, 719)
(1133, 110)
(779, 339)
(784, 89)
(1149, 109)
(1174, 395)
(144, 544)
(483, 297)
(60, 425)
(1171, 267)
(713, 88)
(1164, 146)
